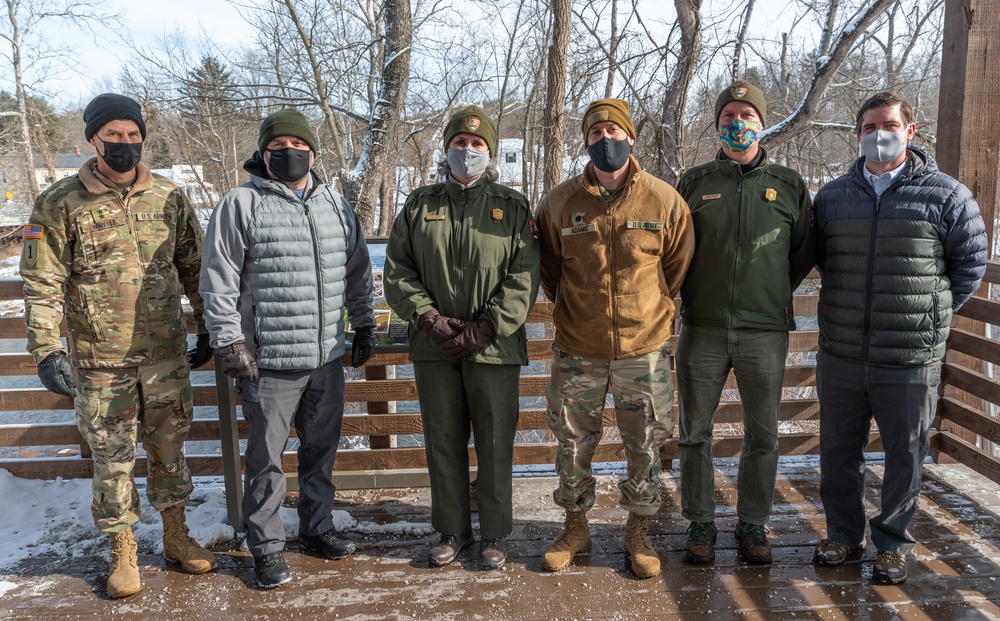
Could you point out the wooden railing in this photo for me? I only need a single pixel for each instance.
(966, 426)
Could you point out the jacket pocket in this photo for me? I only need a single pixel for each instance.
(92, 308)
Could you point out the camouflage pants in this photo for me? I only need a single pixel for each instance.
(643, 391)
(110, 404)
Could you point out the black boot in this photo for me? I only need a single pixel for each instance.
(271, 570)
(329, 544)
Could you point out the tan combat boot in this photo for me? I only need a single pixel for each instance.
(179, 547)
(123, 577)
(574, 539)
(645, 562)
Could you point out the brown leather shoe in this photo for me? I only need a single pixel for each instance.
(701, 542)
(448, 548)
(493, 553)
(752, 542)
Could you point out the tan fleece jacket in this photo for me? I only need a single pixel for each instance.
(613, 272)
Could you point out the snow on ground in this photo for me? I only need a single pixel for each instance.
(52, 518)
(9, 269)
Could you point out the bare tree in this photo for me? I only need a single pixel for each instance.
(555, 110)
(30, 49)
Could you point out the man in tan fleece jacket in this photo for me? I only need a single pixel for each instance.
(616, 244)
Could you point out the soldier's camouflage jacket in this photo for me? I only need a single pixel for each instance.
(117, 264)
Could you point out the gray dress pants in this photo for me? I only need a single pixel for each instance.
(314, 402)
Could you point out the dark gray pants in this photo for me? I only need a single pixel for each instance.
(902, 401)
(452, 395)
(314, 402)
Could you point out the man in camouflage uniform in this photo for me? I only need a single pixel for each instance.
(616, 244)
(116, 247)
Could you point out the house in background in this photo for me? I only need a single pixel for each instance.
(64, 165)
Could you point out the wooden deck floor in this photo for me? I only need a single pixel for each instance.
(953, 574)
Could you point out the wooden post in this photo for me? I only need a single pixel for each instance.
(230, 442)
(968, 148)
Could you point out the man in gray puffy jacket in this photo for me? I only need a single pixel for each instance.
(901, 247)
(284, 254)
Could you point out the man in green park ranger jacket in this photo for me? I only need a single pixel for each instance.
(754, 245)
(462, 268)
(112, 249)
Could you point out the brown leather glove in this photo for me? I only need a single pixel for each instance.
(477, 334)
(439, 327)
(237, 361)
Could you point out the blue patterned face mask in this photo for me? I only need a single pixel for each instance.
(738, 134)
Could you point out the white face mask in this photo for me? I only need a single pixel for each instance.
(882, 146)
(468, 162)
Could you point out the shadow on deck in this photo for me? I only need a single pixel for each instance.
(953, 572)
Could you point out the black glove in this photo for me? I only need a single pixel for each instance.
(201, 353)
(362, 346)
(439, 327)
(56, 374)
(476, 335)
(236, 361)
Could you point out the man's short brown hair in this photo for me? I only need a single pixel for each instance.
(885, 99)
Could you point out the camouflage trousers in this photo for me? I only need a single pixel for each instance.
(643, 392)
(110, 405)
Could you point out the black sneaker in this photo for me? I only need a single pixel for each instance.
(329, 544)
(271, 570)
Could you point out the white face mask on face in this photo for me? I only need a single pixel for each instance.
(882, 146)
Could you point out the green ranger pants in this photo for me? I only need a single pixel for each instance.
(453, 395)
(110, 405)
(644, 399)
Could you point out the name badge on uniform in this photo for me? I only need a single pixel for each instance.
(770, 195)
(147, 217)
(434, 217)
(645, 225)
(580, 228)
(710, 197)
(107, 218)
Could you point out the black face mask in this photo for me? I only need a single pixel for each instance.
(289, 164)
(121, 157)
(609, 155)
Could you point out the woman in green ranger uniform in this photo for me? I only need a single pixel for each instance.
(462, 267)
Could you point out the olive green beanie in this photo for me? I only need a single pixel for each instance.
(741, 90)
(287, 122)
(472, 120)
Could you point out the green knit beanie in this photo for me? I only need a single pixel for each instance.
(287, 122)
(741, 90)
(472, 120)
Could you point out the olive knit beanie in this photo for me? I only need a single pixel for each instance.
(741, 90)
(472, 120)
(286, 122)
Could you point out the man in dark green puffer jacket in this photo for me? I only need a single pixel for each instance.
(901, 246)
(753, 247)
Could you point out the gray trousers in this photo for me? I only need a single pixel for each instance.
(903, 401)
(314, 402)
(453, 395)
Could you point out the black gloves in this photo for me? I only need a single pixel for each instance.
(362, 346)
(439, 327)
(474, 337)
(56, 374)
(238, 362)
(201, 353)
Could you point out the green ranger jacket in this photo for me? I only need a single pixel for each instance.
(753, 245)
(465, 251)
(118, 264)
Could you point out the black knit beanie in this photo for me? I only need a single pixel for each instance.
(286, 122)
(111, 107)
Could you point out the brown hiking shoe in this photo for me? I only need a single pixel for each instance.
(752, 542)
(833, 553)
(890, 567)
(643, 559)
(574, 540)
(701, 542)
(123, 576)
(179, 547)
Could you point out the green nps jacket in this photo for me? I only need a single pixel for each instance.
(465, 251)
(753, 245)
(118, 264)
